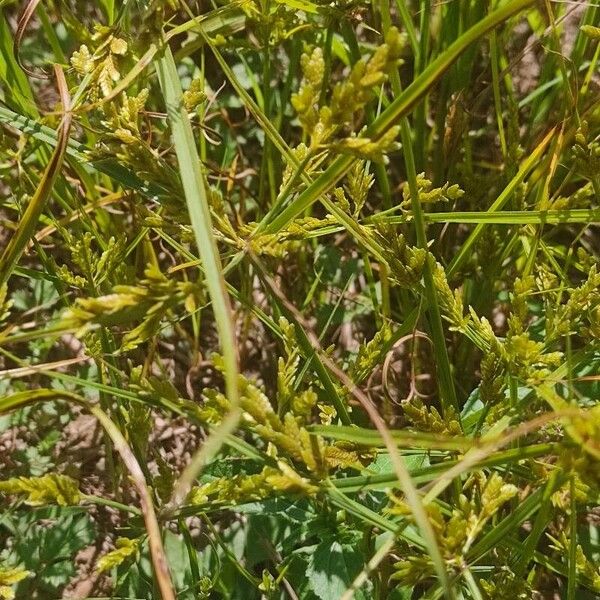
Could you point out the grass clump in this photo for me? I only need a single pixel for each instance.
(299, 299)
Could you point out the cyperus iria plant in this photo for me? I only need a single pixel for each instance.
(299, 299)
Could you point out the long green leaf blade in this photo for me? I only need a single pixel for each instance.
(194, 187)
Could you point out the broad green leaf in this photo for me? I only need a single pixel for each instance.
(332, 567)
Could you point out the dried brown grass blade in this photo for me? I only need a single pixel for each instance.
(21, 27)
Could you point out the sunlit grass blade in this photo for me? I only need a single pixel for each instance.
(370, 437)
(26, 227)
(497, 437)
(427, 474)
(523, 558)
(517, 217)
(362, 512)
(195, 191)
(226, 18)
(447, 391)
(530, 163)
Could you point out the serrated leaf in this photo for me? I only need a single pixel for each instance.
(332, 568)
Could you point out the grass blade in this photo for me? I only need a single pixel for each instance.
(25, 229)
(517, 217)
(194, 187)
(526, 167)
(370, 437)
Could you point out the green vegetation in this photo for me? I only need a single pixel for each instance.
(300, 299)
